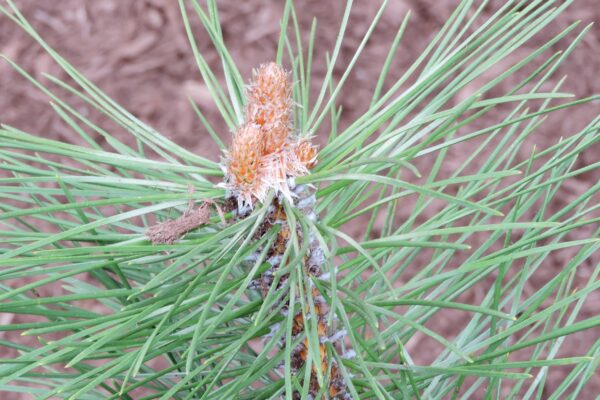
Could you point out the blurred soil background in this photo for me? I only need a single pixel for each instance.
(138, 53)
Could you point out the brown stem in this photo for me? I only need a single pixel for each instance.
(313, 264)
(172, 230)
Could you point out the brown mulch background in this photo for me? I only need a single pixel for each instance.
(138, 53)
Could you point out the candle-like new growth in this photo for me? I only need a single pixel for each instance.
(244, 167)
(270, 105)
(265, 152)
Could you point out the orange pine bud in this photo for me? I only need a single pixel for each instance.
(270, 105)
(244, 161)
(306, 153)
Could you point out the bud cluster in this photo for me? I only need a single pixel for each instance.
(265, 152)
